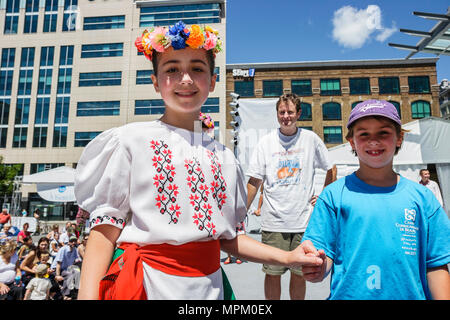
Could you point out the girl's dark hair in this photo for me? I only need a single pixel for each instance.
(209, 56)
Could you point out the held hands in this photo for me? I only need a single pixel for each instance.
(314, 273)
(306, 256)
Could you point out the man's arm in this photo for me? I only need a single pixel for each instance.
(253, 186)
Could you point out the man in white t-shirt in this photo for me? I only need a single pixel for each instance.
(285, 161)
(430, 184)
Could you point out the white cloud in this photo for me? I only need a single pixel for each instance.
(352, 28)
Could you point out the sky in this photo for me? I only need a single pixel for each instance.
(322, 30)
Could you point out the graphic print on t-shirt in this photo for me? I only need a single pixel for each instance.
(288, 167)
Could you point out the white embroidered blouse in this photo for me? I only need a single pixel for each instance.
(162, 184)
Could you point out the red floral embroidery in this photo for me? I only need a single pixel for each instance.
(199, 197)
(168, 191)
(218, 186)
(113, 220)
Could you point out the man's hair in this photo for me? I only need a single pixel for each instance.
(290, 97)
(209, 57)
(398, 129)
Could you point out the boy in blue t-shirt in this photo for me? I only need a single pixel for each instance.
(381, 235)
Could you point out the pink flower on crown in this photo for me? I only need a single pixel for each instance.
(158, 39)
(210, 42)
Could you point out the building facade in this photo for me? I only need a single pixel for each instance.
(444, 98)
(330, 89)
(69, 70)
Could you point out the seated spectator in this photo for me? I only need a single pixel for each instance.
(25, 248)
(39, 287)
(10, 289)
(32, 258)
(65, 235)
(65, 269)
(55, 230)
(5, 218)
(23, 233)
(82, 246)
(6, 233)
(54, 245)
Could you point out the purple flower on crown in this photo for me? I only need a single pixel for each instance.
(178, 35)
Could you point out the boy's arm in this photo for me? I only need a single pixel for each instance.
(97, 258)
(27, 294)
(439, 283)
(247, 248)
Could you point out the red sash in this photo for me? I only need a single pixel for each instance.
(124, 279)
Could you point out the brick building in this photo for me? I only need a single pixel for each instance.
(329, 89)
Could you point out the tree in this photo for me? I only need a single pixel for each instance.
(7, 174)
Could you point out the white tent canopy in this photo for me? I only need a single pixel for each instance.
(54, 185)
(427, 142)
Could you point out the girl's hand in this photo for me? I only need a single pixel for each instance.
(299, 257)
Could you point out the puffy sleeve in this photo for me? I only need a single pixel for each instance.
(102, 180)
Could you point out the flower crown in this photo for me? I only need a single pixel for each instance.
(179, 37)
(206, 120)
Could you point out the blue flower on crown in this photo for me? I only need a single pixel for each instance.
(178, 35)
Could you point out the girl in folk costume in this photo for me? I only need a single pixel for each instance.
(165, 194)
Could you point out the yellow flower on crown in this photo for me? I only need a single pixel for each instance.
(196, 37)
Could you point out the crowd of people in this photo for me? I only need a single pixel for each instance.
(46, 270)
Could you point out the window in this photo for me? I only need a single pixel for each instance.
(144, 76)
(83, 138)
(45, 70)
(359, 85)
(12, 17)
(332, 134)
(217, 72)
(42, 107)
(6, 71)
(190, 14)
(20, 137)
(301, 87)
(211, 106)
(216, 130)
(420, 109)
(331, 111)
(419, 84)
(39, 167)
(60, 136)
(64, 80)
(272, 88)
(389, 85)
(98, 108)
(50, 16)
(40, 136)
(397, 106)
(4, 117)
(62, 110)
(330, 87)
(109, 22)
(97, 79)
(22, 111)
(66, 56)
(245, 88)
(155, 106)
(306, 112)
(31, 16)
(102, 50)
(27, 57)
(25, 81)
(70, 15)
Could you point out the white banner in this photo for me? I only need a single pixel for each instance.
(258, 117)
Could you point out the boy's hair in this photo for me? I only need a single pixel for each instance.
(398, 129)
(290, 97)
(209, 57)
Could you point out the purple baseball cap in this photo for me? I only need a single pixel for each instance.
(374, 108)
